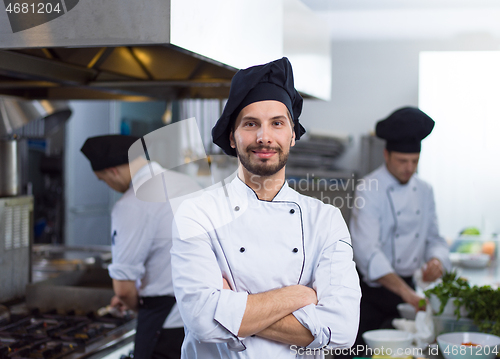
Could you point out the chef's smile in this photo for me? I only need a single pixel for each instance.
(264, 154)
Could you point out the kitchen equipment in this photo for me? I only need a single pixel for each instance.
(468, 345)
(84, 56)
(4, 315)
(16, 233)
(60, 319)
(81, 291)
(50, 260)
(69, 336)
(387, 341)
(16, 114)
(10, 167)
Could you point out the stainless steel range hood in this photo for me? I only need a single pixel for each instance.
(146, 49)
(127, 73)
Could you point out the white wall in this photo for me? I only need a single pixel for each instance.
(460, 90)
(370, 79)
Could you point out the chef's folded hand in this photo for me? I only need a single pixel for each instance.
(432, 270)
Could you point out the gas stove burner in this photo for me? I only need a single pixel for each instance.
(42, 349)
(53, 336)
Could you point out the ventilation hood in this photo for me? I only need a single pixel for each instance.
(147, 49)
(134, 73)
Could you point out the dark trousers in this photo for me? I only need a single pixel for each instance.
(151, 340)
(168, 345)
(378, 309)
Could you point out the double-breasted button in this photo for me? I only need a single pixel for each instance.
(292, 211)
(295, 250)
(398, 213)
(237, 208)
(414, 188)
(242, 249)
(416, 235)
(418, 211)
(399, 261)
(397, 235)
(415, 259)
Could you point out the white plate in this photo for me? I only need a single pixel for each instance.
(474, 260)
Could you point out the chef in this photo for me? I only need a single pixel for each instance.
(141, 242)
(394, 228)
(259, 270)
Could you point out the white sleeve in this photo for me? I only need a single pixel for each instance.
(211, 314)
(365, 232)
(436, 246)
(334, 320)
(132, 238)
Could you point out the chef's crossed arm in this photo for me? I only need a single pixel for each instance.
(269, 314)
(215, 314)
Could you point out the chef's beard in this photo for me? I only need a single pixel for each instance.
(262, 168)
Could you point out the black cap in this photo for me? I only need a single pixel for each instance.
(271, 81)
(404, 129)
(107, 151)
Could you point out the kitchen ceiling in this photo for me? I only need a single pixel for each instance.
(409, 19)
(124, 72)
(332, 5)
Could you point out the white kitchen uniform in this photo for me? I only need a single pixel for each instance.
(142, 238)
(259, 246)
(394, 226)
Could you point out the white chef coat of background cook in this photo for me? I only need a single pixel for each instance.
(394, 226)
(142, 238)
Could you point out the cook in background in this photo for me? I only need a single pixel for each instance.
(259, 270)
(141, 241)
(394, 228)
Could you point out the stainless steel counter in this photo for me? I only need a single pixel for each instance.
(112, 345)
(489, 275)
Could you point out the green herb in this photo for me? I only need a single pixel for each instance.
(482, 303)
(452, 286)
(421, 303)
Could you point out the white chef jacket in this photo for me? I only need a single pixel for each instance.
(259, 246)
(142, 238)
(394, 226)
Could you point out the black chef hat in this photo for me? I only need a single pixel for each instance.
(404, 129)
(271, 81)
(107, 151)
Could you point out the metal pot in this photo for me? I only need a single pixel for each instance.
(10, 168)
